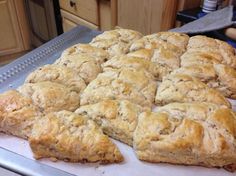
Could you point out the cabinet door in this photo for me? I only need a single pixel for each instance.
(68, 24)
(86, 9)
(10, 36)
(70, 21)
(146, 16)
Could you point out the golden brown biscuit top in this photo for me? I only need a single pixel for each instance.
(84, 65)
(137, 86)
(184, 88)
(138, 78)
(50, 97)
(76, 59)
(12, 100)
(160, 56)
(75, 137)
(226, 75)
(118, 118)
(142, 53)
(123, 35)
(204, 72)
(200, 57)
(200, 41)
(157, 50)
(17, 114)
(58, 74)
(116, 42)
(178, 39)
(206, 44)
(119, 62)
(201, 127)
(112, 109)
(62, 121)
(151, 42)
(98, 54)
(223, 118)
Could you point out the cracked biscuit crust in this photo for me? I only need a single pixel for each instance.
(218, 76)
(200, 57)
(86, 66)
(162, 67)
(158, 49)
(226, 77)
(158, 40)
(50, 97)
(206, 44)
(17, 114)
(118, 62)
(71, 137)
(58, 74)
(116, 42)
(184, 88)
(130, 84)
(98, 54)
(187, 133)
(178, 39)
(204, 72)
(117, 118)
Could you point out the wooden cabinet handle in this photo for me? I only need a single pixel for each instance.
(72, 4)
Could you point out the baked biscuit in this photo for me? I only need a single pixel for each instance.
(58, 74)
(98, 54)
(118, 62)
(117, 118)
(204, 72)
(116, 42)
(130, 84)
(218, 76)
(163, 67)
(86, 66)
(206, 44)
(199, 58)
(178, 39)
(226, 78)
(68, 136)
(154, 41)
(142, 53)
(188, 133)
(49, 96)
(164, 54)
(184, 88)
(17, 114)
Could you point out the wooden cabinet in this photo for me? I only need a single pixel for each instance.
(79, 12)
(146, 16)
(150, 16)
(70, 21)
(86, 9)
(14, 35)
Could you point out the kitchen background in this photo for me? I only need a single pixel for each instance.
(26, 24)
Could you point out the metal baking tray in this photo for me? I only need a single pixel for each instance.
(15, 153)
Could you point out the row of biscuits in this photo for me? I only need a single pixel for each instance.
(41, 110)
(115, 81)
(169, 138)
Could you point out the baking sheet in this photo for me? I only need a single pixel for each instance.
(18, 156)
